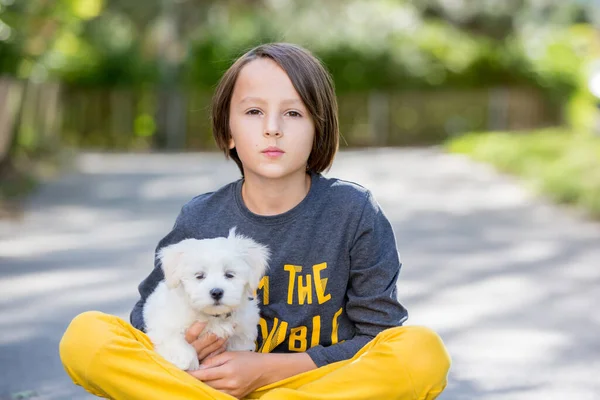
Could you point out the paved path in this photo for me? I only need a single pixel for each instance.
(511, 284)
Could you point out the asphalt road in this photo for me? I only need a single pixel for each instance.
(511, 283)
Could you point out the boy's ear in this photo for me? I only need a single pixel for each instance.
(170, 262)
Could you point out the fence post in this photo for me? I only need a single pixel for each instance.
(498, 99)
(11, 92)
(379, 118)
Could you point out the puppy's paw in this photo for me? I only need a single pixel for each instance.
(237, 343)
(181, 354)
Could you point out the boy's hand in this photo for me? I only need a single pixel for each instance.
(206, 345)
(236, 373)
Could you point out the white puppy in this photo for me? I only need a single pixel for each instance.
(209, 280)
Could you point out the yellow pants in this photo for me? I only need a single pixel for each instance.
(112, 359)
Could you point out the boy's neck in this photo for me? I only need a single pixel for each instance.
(273, 197)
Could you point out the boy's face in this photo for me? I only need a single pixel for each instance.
(271, 129)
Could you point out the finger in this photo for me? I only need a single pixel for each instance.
(204, 341)
(221, 385)
(208, 374)
(220, 350)
(211, 348)
(216, 361)
(194, 331)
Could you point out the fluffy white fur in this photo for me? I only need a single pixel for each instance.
(193, 269)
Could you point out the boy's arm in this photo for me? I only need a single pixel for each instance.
(372, 296)
(277, 367)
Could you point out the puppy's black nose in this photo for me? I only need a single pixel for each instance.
(216, 293)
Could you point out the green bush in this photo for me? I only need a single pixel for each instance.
(437, 56)
(561, 164)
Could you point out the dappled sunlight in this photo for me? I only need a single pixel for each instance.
(508, 281)
(51, 282)
(18, 334)
(465, 305)
(167, 187)
(497, 357)
(54, 390)
(115, 235)
(443, 172)
(120, 164)
(509, 348)
(39, 310)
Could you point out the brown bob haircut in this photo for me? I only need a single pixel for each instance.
(312, 82)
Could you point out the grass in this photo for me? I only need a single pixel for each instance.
(560, 164)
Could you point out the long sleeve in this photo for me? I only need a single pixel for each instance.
(147, 286)
(372, 303)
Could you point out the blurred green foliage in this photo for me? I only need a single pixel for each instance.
(380, 44)
(564, 165)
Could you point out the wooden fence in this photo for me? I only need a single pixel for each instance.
(145, 119)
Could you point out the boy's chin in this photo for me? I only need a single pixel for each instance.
(276, 172)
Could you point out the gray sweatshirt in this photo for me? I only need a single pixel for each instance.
(331, 283)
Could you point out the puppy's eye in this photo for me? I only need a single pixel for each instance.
(229, 275)
(199, 276)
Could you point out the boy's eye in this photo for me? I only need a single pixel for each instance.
(229, 275)
(200, 276)
(294, 114)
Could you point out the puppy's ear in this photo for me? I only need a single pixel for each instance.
(232, 233)
(170, 257)
(255, 255)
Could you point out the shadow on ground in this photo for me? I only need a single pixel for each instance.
(507, 280)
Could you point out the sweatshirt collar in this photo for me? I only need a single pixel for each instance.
(287, 216)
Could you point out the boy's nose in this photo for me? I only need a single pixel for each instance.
(273, 127)
(275, 133)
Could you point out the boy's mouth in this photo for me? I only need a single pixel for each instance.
(273, 151)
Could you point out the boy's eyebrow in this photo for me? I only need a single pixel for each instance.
(259, 100)
(293, 101)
